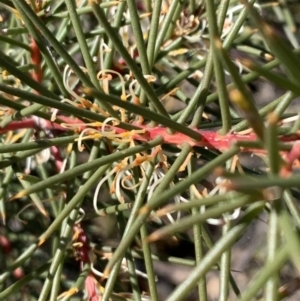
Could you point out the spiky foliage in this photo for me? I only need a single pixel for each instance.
(127, 120)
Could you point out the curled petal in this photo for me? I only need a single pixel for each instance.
(95, 199)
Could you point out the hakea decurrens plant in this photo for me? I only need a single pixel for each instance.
(119, 126)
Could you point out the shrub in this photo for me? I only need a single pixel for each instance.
(125, 129)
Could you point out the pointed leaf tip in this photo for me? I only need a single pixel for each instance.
(273, 118)
(41, 241)
(153, 237)
(18, 195)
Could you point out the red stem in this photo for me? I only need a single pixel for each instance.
(209, 139)
(36, 60)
